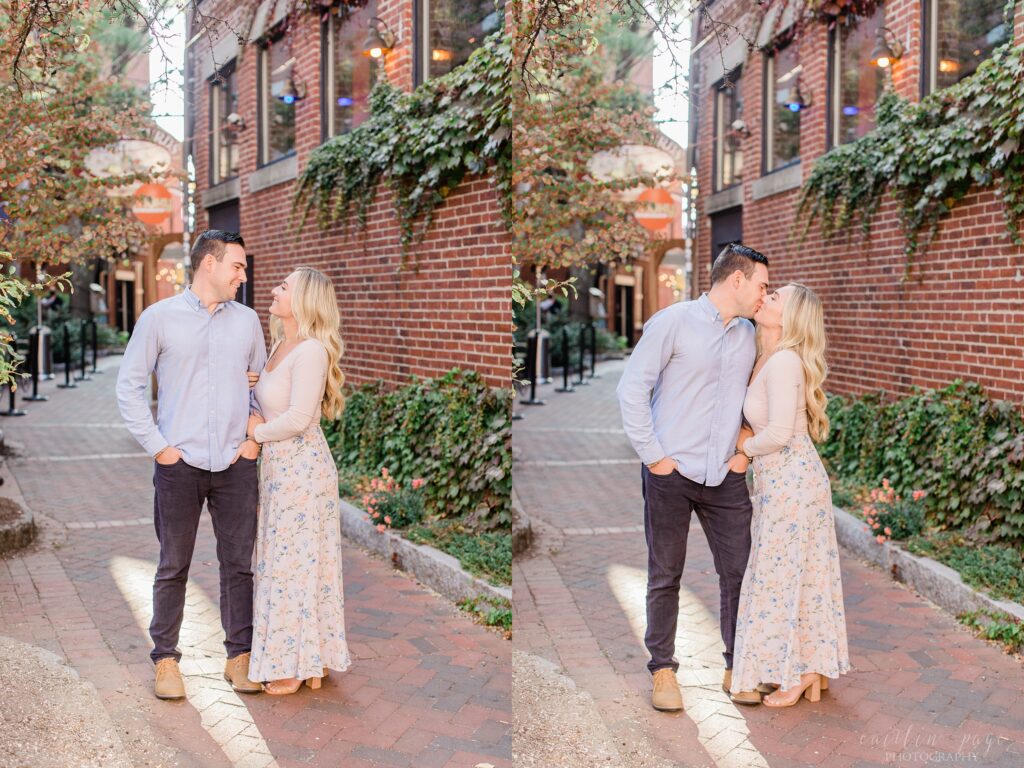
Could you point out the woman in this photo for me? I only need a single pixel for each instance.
(299, 621)
(791, 629)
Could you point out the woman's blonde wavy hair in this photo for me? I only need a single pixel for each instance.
(803, 331)
(315, 308)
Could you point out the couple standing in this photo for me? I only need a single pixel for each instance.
(702, 395)
(207, 351)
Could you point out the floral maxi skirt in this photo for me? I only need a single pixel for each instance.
(791, 619)
(299, 603)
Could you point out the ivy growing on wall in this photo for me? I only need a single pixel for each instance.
(929, 155)
(423, 144)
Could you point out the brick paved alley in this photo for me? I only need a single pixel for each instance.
(427, 686)
(923, 688)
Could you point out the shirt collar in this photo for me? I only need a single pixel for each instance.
(711, 311)
(195, 303)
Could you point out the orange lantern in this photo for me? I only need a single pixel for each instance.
(656, 210)
(153, 203)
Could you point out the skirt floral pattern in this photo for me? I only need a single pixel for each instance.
(299, 612)
(791, 619)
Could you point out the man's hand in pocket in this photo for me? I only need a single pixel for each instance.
(249, 449)
(168, 456)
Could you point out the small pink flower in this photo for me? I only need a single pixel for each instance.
(918, 495)
(418, 483)
(880, 539)
(885, 483)
(376, 515)
(876, 526)
(384, 472)
(387, 519)
(381, 528)
(888, 531)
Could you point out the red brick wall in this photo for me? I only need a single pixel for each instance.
(450, 307)
(959, 312)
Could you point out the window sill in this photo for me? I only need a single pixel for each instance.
(277, 172)
(729, 197)
(782, 180)
(222, 193)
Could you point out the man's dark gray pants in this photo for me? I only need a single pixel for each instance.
(724, 512)
(232, 496)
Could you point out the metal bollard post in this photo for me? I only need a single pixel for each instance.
(581, 347)
(534, 369)
(66, 347)
(94, 339)
(592, 335)
(566, 364)
(33, 366)
(84, 376)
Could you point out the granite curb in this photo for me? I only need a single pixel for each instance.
(932, 580)
(438, 570)
(20, 532)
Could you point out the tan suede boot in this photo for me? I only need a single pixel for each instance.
(169, 683)
(666, 696)
(743, 697)
(236, 672)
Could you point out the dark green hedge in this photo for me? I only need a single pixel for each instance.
(961, 447)
(454, 432)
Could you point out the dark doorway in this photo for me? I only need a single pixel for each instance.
(124, 301)
(226, 216)
(624, 325)
(726, 228)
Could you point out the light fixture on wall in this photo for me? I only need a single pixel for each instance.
(886, 50)
(291, 93)
(379, 39)
(799, 102)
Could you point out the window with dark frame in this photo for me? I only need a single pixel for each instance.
(350, 74)
(730, 130)
(277, 108)
(448, 31)
(959, 35)
(223, 127)
(857, 83)
(782, 109)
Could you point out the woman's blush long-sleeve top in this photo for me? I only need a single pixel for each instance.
(290, 396)
(776, 405)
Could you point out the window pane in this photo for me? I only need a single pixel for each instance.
(455, 29)
(731, 132)
(280, 113)
(967, 33)
(354, 74)
(786, 108)
(227, 103)
(860, 82)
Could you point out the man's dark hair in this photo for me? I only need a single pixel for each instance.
(213, 241)
(735, 256)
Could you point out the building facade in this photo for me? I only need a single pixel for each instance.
(762, 113)
(257, 110)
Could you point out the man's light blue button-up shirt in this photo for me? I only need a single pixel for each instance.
(200, 359)
(682, 392)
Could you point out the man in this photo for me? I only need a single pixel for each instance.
(681, 397)
(200, 343)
